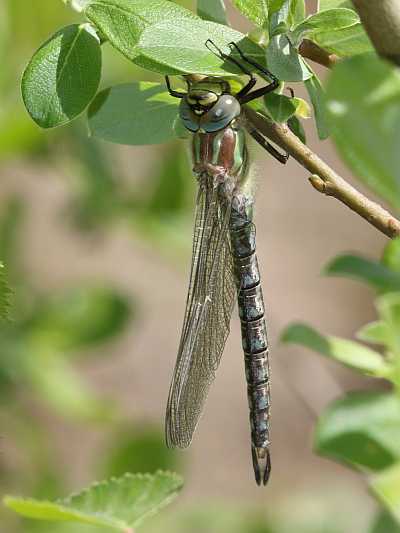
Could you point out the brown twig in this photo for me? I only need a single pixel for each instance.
(312, 51)
(324, 179)
(381, 21)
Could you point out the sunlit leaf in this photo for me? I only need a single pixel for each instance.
(62, 77)
(330, 20)
(331, 4)
(284, 61)
(258, 11)
(345, 42)
(386, 486)
(120, 503)
(281, 107)
(361, 429)
(391, 255)
(351, 354)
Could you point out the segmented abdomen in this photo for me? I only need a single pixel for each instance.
(254, 332)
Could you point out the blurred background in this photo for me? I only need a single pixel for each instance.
(96, 240)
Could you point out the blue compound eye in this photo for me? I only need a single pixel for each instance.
(221, 114)
(189, 119)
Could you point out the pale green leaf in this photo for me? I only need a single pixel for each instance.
(284, 61)
(331, 4)
(120, 503)
(330, 20)
(349, 353)
(258, 11)
(62, 77)
(386, 486)
(76, 5)
(134, 113)
(280, 108)
(391, 255)
(181, 48)
(345, 42)
(361, 429)
(123, 21)
(374, 333)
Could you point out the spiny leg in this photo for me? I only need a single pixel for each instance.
(172, 92)
(218, 52)
(282, 158)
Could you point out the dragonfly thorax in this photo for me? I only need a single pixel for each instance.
(208, 107)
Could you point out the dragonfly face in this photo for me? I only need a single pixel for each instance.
(208, 106)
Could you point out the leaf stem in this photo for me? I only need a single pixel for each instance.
(324, 179)
(312, 51)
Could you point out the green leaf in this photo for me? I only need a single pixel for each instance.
(297, 128)
(54, 380)
(331, 4)
(347, 352)
(374, 333)
(76, 5)
(385, 523)
(281, 108)
(181, 48)
(317, 96)
(391, 255)
(258, 11)
(123, 21)
(330, 20)
(77, 318)
(62, 77)
(5, 294)
(366, 270)
(213, 10)
(388, 307)
(297, 12)
(284, 61)
(386, 486)
(120, 503)
(365, 117)
(134, 113)
(361, 429)
(346, 42)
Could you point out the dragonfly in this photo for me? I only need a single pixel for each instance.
(224, 263)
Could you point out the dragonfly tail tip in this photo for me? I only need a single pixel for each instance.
(262, 464)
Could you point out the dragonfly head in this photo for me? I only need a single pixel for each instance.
(208, 106)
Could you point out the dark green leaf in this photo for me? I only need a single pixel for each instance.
(317, 96)
(78, 318)
(281, 108)
(385, 523)
(123, 21)
(213, 10)
(120, 503)
(134, 113)
(297, 128)
(347, 352)
(62, 77)
(365, 118)
(361, 429)
(391, 255)
(346, 42)
(386, 486)
(182, 47)
(371, 272)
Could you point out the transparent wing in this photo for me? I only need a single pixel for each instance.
(207, 317)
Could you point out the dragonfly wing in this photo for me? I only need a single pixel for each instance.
(207, 317)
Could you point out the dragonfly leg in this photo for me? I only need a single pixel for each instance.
(218, 52)
(282, 158)
(172, 92)
(249, 96)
